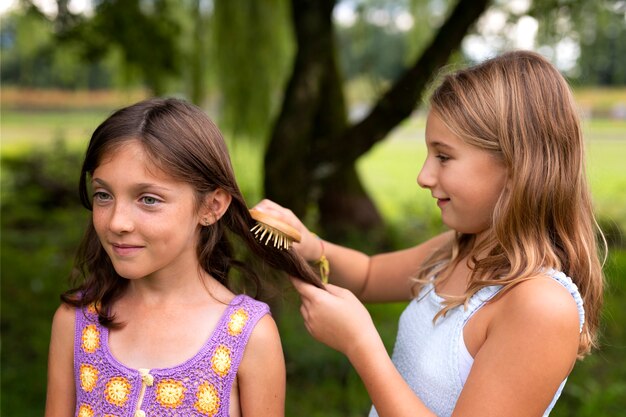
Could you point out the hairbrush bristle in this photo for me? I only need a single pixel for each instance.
(271, 230)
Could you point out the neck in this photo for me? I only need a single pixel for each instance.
(481, 245)
(174, 289)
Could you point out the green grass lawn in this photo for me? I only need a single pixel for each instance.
(22, 129)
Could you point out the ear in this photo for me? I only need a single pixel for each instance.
(214, 206)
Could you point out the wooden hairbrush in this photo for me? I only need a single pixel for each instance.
(269, 229)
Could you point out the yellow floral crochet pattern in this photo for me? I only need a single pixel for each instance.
(88, 377)
(237, 320)
(220, 362)
(92, 308)
(208, 399)
(170, 393)
(85, 410)
(117, 390)
(90, 338)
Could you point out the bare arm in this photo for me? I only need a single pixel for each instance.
(530, 348)
(378, 278)
(389, 274)
(61, 395)
(262, 374)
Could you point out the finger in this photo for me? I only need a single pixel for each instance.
(305, 290)
(304, 312)
(294, 281)
(298, 285)
(265, 206)
(270, 206)
(335, 290)
(269, 203)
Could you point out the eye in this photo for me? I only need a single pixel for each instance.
(149, 200)
(101, 196)
(442, 158)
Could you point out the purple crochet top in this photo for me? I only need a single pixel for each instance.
(199, 386)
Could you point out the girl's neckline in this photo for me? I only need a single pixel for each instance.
(235, 302)
(438, 299)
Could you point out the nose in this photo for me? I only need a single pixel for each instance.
(426, 177)
(121, 220)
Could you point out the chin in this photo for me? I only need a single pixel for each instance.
(129, 275)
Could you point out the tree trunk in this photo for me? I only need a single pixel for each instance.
(404, 95)
(344, 206)
(312, 152)
(290, 161)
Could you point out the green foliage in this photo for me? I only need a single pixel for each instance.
(145, 33)
(34, 186)
(41, 225)
(33, 57)
(603, 46)
(597, 26)
(253, 49)
(371, 50)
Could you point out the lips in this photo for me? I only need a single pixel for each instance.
(125, 249)
(441, 202)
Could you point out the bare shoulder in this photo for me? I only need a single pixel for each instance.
(62, 335)
(65, 312)
(542, 301)
(265, 334)
(64, 320)
(262, 375)
(541, 315)
(531, 343)
(263, 348)
(60, 396)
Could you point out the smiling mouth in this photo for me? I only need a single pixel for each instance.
(124, 250)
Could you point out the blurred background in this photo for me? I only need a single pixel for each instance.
(322, 106)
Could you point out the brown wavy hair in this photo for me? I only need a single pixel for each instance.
(182, 141)
(518, 107)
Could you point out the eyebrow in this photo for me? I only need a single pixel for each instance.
(140, 186)
(439, 144)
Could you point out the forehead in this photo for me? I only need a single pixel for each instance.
(438, 134)
(131, 156)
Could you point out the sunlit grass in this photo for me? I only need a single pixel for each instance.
(24, 129)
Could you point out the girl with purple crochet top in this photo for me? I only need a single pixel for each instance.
(153, 326)
(499, 307)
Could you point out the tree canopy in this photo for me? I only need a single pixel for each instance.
(276, 71)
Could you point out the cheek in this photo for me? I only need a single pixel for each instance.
(98, 220)
(490, 200)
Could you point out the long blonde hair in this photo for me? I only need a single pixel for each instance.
(520, 108)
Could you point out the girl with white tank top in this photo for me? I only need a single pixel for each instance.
(501, 305)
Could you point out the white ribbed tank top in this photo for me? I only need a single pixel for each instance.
(433, 358)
